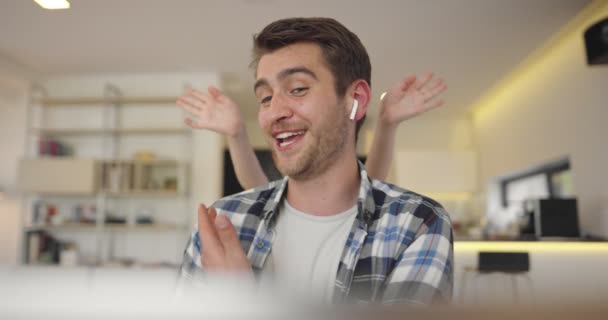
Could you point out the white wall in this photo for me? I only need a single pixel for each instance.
(431, 132)
(13, 97)
(555, 106)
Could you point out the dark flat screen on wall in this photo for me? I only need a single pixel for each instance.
(231, 183)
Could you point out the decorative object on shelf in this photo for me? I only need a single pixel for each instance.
(116, 176)
(144, 215)
(41, 248)
(170, 183)
(54, 148)
(114, 219)
(145, 156)
(144, 220)
(39, 212)
(84, 213)
(68, 256)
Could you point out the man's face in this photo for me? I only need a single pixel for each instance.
(303, 120)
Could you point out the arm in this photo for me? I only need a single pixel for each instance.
(381, 153)
(405, 100)
(246, 165)
(216, 112)
(424, 271)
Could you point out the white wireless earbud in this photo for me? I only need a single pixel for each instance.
(353, 112)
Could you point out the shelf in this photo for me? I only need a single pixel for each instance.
(83, 102)
(143, 227)
(106, 226)
(143, 194)
(125, 131)
(64, 226)
(155, 162)
(156, 177)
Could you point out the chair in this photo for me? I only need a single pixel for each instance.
(511, 264)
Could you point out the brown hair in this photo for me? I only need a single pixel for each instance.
(344, 53)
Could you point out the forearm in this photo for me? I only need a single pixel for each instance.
(246, 165)
(380, 156)
(424, 272)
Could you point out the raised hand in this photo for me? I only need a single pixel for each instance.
(411, 97)
(221, 250)
(213, 111)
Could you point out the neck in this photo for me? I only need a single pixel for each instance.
(334, 191)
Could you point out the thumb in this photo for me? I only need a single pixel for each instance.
(227, 235)
(215, 92)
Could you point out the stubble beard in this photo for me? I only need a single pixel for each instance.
(328, 143)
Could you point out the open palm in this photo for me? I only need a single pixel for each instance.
(213, 111)
(411, 97)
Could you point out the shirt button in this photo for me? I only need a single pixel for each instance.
(260, 244)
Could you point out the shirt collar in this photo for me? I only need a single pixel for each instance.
(365, 201)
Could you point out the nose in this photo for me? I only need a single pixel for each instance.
(279, 109)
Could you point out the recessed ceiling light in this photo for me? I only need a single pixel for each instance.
(53, 4)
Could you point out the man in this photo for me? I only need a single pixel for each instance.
(326, 230)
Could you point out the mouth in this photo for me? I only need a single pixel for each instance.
(288, 139)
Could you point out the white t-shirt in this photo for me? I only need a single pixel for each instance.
(306, 252)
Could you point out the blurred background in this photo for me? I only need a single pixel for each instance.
(98, 171)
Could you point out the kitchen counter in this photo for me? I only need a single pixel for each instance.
(561, 271)
(528, 245)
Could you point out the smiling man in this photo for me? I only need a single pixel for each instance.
(326, 230)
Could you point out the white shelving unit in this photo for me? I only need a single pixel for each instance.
(145, 196)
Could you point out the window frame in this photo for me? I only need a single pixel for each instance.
(548, 170)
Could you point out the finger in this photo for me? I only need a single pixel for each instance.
(215, 92)
(210, 241)
(436, 91)
(202, 96)
(192, 100)
(193, 124)
(184, 98)
(407, 82)
(228, 237)
(194, 111)
(212, 214)
(433, 104)
(192, 117)
(424, 80)
(435, 83)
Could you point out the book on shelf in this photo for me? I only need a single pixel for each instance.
(42, 248)
(51, 147)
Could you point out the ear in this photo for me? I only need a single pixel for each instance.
(360, 91)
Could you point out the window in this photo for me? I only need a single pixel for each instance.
(551, 180)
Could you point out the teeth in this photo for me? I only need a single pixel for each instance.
(282, 144)
(288, 134)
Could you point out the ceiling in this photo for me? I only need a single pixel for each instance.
(472, 43)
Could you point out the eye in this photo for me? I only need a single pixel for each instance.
(299, 91)
(265, 100)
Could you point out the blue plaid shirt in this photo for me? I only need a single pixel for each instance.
(399, 250)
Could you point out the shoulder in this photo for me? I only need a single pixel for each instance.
(419, 212)
(249, 201)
